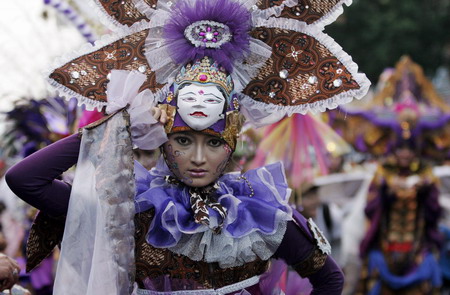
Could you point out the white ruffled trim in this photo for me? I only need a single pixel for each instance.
(157, 55)
(228, 289)
(329, 43)
(326, 19)
(143, 8)
(331, 16)
(149, 12)
(162, 5)
(273, 11)
(247, 3)
(67, 93)
(159, 59)
(87, 48)
(202, 244)
(165, 69)
(252, 106)
(319, 106)
(228, 251)
(110, 22)
(242, 73)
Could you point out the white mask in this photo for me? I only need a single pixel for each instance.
(200, 106)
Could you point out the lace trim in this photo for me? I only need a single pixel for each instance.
(332, 15)
(221, 291)
(87, 48)
(160, 61)
(110, 22)
(229, 251)
(273, 11)
(327, 41)
(255, 107)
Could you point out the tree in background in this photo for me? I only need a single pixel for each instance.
(378, 32)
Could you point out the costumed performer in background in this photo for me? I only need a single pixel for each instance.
(405, 126)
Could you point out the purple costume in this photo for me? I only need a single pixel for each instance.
(34, 180)
(403, 233)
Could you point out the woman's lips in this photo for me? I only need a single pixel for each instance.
(197, 173)
(198, 114)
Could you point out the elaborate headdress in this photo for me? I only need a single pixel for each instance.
(204, 72)
(279, 61)
(407, 110)
(276, 55)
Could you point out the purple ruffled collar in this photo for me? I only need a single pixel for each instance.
(247, 213)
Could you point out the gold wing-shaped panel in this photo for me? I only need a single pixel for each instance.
(304, 73)
(309, 11)
(86, 77)
(123, 12)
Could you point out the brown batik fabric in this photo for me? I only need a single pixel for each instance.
(311, 264)
(154, 264)
(125, 12)
(308, 11)
(87, 75)
(46, 233)
(301, 70)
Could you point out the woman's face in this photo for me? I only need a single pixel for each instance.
(195, 158)
(200, 106)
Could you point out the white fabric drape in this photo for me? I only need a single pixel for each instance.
(97, 255)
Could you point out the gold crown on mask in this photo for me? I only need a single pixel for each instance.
(204, 72)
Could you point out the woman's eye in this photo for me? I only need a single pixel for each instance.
(183, 140)
(215, 142)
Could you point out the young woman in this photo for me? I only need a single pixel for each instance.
(203, 64)
(196, 228)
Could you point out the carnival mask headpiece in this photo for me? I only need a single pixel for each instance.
(205, 72)
(277, 59)
(202, 99)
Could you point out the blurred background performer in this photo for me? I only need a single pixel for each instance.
(405, 128)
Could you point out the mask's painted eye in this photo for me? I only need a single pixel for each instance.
(215, 142)
(189, 99)
(183, 140)
(213, 100)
